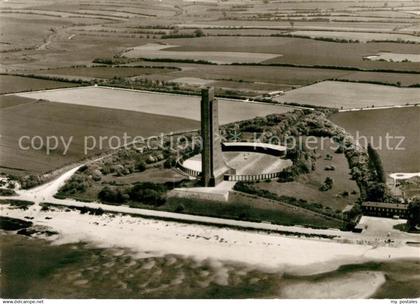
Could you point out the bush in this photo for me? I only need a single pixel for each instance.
(328, 157)
(20, 204)
(82, 168)
(327, 185)
(286, 176)
(140, 166)
(413, 214)
(30, 181)
(376, 192)
(376, 163)
(76, 184)
(112, 196)
(198, 33)
(148, 193)
(169, 163)
(7, 192)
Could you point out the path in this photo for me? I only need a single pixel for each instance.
(45, 193)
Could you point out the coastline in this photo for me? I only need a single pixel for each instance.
(264, 250)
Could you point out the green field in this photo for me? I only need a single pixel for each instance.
(159, 51)
(245, 78)
(13, 84)
(255, 209)
(256, 76)
(302, 51)
(105, 72)
(375, 124)
(358, 36)
(403, 80)
(349, 95)
(176, 105)
(57, 119)
(12, 101)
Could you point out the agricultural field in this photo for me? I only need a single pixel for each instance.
(54, 38)
(351, 95)
(403, 80)
(104, 72)
(91, 92)
(182, 106)
(270, 26)
(258, 77)
(67, 49)
(24, 31)
(393, 57)
(160, 51)
(65, 120)
(344, 190)
(81, 32)
(241, 78)
(13, 84)
(301, 51)
(376, 124)
(358, 36)
(13, 101)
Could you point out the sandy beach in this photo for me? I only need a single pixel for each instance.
(260, 249)
(156, 237)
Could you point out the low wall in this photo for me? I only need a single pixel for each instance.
(231, 177)
(190, 172)
(250, 178)
(200, 194)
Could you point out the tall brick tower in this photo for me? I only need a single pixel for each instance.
(213, 166)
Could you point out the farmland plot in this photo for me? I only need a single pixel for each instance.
(376, 124)
(351, 95)
(159, 51)
(155, 103)
(44, 119)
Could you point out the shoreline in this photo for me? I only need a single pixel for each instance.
(137, 275)
(262, 249)
(269, 252)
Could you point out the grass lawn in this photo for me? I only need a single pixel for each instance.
(307, 186)
(153, 175)
(255, 209)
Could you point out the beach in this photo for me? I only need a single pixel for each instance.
(147, 237)
(269, 251)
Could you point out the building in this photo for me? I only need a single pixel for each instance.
(213, 166)
(385, 209)
(275, 150)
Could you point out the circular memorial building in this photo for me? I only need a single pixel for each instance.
(246, 161)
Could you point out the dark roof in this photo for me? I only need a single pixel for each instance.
(385, 205)
(254, 145)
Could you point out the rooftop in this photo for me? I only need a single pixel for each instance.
(385, 205)
(255, 144)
